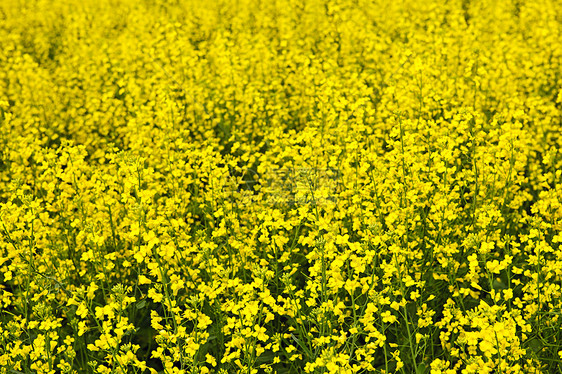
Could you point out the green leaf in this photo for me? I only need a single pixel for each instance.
(422, 369)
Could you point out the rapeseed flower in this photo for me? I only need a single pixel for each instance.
(348, 187)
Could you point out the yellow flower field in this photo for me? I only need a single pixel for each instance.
(282, 186)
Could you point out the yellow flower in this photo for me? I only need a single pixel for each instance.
(210, 360)
(155, 296)
(144, 280)
(387, 317)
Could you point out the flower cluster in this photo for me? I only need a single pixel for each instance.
(347, 186)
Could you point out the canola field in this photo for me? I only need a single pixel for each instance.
(280, 186)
